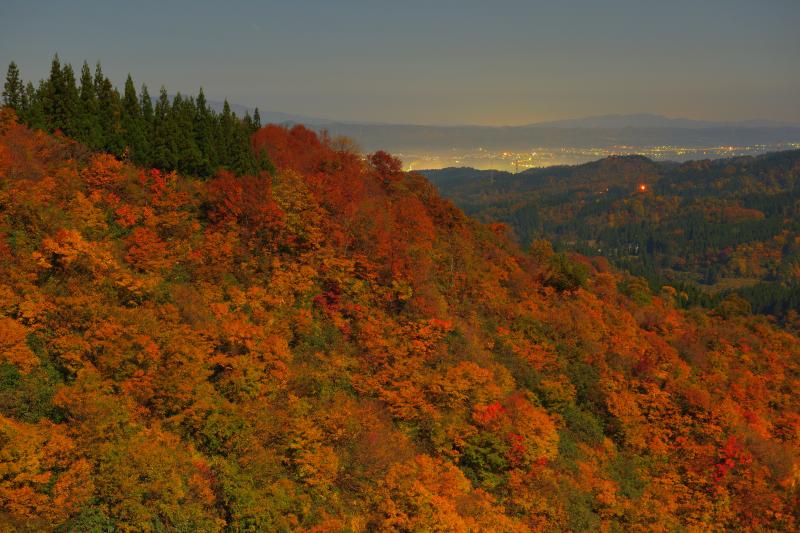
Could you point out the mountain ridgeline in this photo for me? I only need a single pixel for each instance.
(709, 228)
(601, 132)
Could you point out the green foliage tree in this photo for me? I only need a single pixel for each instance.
(133, 125)
(188, 155)
(71, 101)
(564, 274)
(148, 117)
(204, 126)
(35, 113)
(225, 133)
(109, 114)
(164, 133)
(88, 125)
(13, 90)
(53, 98)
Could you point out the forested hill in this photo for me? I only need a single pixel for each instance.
(709, 227)
(334, 347)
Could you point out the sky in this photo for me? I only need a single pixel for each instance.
(434, 62)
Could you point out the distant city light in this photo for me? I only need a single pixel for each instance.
(538, 156)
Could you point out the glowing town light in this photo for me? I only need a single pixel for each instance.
(642, 187)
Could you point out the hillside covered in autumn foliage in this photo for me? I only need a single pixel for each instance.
(332, 346)
(709, 228)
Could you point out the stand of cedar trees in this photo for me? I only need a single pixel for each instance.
(180, 133)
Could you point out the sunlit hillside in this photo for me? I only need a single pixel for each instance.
(331, 346)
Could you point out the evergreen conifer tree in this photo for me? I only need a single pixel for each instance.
(24, 105)
(134, 135)
(225, 133)
(53, 97)
(13, 90)
(70, 101)
(34, 115)
(164, 151)
(99, 77)
(110, 117)
(146, 107)
(188, 156)
(204, 135)
(88, 124)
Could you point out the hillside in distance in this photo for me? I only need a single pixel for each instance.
(723, 225)
(332, 346)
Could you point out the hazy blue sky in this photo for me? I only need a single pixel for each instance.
(489, 62)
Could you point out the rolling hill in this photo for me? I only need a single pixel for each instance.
(728, 225)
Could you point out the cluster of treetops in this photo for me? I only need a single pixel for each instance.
(182, 133)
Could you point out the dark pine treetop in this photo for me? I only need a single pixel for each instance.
(13, 91)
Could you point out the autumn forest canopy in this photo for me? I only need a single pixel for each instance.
(210, 325)
(715, 230)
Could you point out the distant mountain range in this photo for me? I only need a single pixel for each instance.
(634, 120)
(649, 120)
(601, 131)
